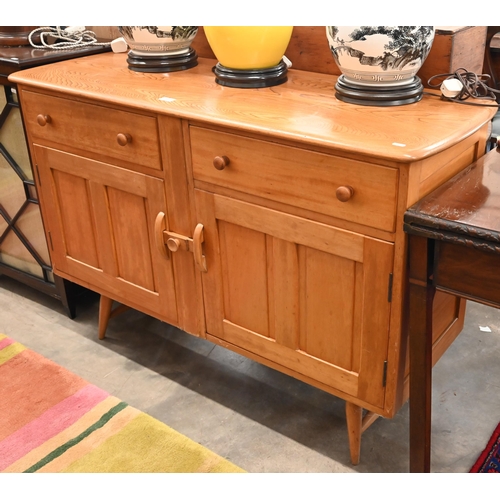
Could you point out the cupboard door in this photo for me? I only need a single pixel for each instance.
(100, 226)
(305, 295)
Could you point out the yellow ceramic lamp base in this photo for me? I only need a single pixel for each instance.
(248, 47)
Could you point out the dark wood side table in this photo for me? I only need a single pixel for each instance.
(454, 246)
(23, 250)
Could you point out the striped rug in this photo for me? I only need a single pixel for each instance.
(51, 420)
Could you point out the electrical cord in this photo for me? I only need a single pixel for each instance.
(470, 85)
(70, 37)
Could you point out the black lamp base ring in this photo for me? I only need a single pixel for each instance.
(379, 95)
(163, 63)
(251, 78)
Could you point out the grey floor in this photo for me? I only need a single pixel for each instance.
(259, 419)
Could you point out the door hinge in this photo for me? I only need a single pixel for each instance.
(384, 376)
(38, 175)
(50, 239)
(389, 291)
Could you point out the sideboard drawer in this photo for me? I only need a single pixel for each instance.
(297, 177)
(123, 135)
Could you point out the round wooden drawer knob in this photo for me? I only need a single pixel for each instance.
(221, 162)
(173, 244)
(344, 193)
(123, 139)
(42, 120)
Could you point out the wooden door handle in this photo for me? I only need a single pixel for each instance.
(221, 162)
(158, 233)
(198, 239)
(344, 193)
(123, 139)
(42, 120)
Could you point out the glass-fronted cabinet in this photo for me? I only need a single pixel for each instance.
(24, 253)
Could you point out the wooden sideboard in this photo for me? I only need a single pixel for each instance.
(269, 221)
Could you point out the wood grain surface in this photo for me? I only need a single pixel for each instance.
(304, 109)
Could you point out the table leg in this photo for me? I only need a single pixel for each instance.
(421, 295)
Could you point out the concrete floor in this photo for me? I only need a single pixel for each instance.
(259, 419)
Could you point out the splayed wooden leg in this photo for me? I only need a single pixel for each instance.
(354, 414)
(356, 425)
(105, 314)
(105, 305)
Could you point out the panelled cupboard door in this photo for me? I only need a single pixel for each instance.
(302, 294)
(101, 224)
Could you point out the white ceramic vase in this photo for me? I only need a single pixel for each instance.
(154, 41)
(380, 55)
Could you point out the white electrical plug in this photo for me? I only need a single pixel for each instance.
(451, 87)
(287, 62)
(119, 45)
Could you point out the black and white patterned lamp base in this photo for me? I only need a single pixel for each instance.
(162, 63)
(379, 95)
(251, 78)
